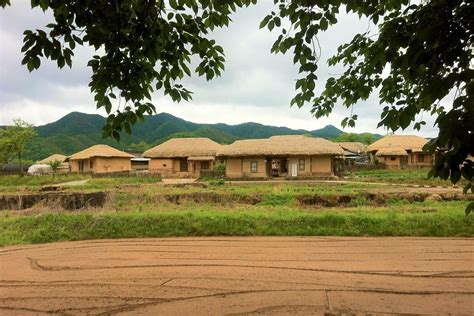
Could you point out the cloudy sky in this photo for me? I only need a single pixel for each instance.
(256, 85)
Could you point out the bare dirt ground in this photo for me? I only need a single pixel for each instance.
(240, 276)
(177, 181)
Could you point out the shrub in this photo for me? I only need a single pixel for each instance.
(220, 167)
(219, 181)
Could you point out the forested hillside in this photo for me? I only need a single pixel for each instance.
(77, 131)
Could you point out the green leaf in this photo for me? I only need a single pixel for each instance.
(265, 21)
(116, 136)
(30, 65)
(467, 187)
(127, 128)
(469, 208)
(271, 25)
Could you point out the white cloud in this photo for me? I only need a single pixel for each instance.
(256, 86)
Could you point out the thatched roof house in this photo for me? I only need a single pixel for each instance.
(353, 147)
(280, 156)
(104, 151)
(407, 142)
(286, 145)
(185, 147)
(400, 151)
(55, 157)
(63, 168)
(391, 151)
(100, 158)
(183, 157)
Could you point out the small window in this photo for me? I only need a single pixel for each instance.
(205, 165)
(91, 165)
(421, 158)
(301, 164)
(393, 158)
(183, 165)
(254, 166)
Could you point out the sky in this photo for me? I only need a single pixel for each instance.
(257, 86)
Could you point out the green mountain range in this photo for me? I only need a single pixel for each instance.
(77, 131)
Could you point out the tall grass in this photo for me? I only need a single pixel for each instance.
(79, 226)
(11, 181)
(411, 176)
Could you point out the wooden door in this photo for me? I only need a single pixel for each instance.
(294, 169)
(403, 161)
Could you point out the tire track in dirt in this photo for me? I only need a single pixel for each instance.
(427, 274)
(236, 276)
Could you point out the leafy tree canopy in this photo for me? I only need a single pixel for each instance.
(13, 139)
(55, 164)
(141, 146)
(422, 54)
(352, 137)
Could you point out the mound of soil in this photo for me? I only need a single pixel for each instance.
(325, 201)
(210, 197)
(375, 199)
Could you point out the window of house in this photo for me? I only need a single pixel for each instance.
(421, 158)
(183, 165)
(301, 164)
(81, 165)
(205, 165)
(254, 166)
(91, 165)
(393, 158)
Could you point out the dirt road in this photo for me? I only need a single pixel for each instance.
(233, 276)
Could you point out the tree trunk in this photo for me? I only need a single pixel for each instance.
(21, 166)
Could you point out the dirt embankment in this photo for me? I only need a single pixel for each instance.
(64, 200)
(375, 199)
(210, 197)
(80, 200)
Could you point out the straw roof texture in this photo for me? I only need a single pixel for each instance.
(287, 145)
(51, 158)
(407, 142)
(201, 158)
(184, 147)
(391, 151)
(354, 147)
(99, 151)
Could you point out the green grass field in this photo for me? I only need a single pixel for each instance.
(14, 183)
(143, 207)
(447, 220)
(409, 176)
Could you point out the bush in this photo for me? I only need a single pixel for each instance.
(217, 181)
(220, 167)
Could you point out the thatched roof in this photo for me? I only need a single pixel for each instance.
(184, 147)
(406, 142)
(288, 145)
(201, 158)
(99, 151)
(391, 151)
(51, 158)
(354, 147)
